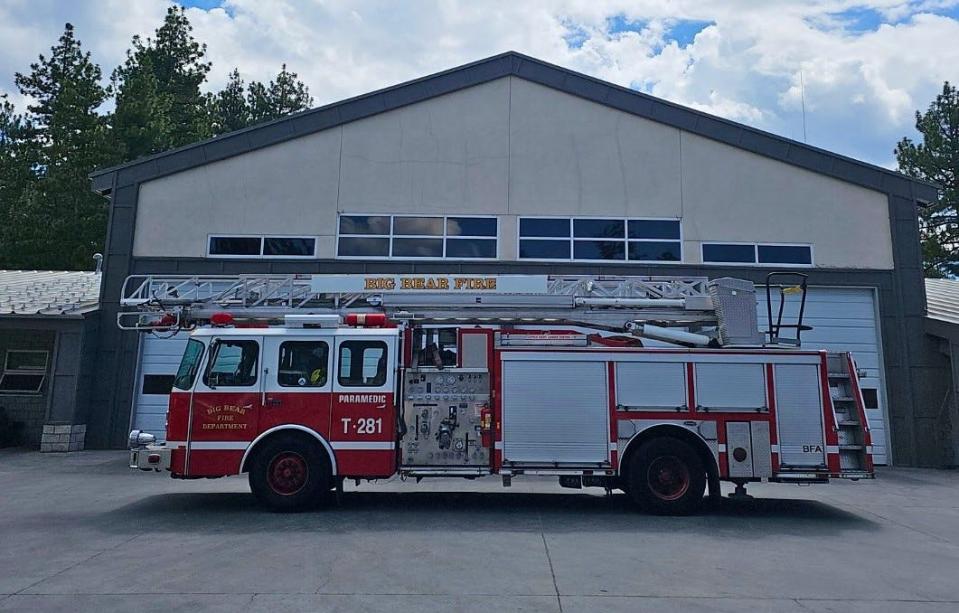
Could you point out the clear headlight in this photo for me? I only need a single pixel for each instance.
(139, 438)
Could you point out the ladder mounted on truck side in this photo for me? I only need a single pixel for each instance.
(721, 312)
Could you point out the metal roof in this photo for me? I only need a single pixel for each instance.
(534, 70)
(942, 300)
(48, 293)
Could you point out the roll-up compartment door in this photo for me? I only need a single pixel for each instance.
(799, 415)
(555, 412)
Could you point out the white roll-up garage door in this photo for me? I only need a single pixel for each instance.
(844, 319)
(157, 363)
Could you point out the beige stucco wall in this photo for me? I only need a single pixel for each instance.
(510, 148)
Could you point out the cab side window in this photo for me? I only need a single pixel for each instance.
(233, 364)
(362, 364)
(303, 364)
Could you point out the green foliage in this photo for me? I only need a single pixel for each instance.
(228, 107)
(53, 220)
(159, 105)
(936, 159)
(284, 95)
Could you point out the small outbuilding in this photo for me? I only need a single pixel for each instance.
(48, 336)
(942, 323)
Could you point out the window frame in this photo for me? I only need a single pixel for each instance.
(444, 237)
(199, 363)
(262, 237)
(756, 263)
(213, 352)
(309, 387)
(41, 372)
(345, 343)
(625, 240)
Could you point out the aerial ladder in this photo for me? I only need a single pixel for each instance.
(689, 311)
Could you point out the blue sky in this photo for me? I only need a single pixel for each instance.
(866, 65)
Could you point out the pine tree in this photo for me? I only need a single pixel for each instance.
(158, 100)
(57, 222)
(936, 159)
(229, 107)
(16, 175)
(284, 95)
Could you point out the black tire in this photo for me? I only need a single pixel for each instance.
(666, 477)
(289, 473)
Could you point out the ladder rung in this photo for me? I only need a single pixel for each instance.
(848, 422)
(851, 448)
(843, 399)
(838, 375)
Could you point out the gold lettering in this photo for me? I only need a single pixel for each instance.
(379, 283)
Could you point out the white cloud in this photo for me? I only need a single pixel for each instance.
(862, 80)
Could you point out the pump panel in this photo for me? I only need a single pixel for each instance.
(443, 413)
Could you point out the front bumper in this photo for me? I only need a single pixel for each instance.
(150, 457)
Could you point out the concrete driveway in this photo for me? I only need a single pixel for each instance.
(81, 532)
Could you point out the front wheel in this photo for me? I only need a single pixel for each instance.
(666, 477)
(290, 474)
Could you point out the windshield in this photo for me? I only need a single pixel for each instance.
(189, 365)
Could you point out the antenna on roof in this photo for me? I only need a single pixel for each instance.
(802, 97)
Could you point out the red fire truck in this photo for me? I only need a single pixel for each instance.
(659, 387)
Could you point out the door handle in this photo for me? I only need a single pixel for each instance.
(273, 402)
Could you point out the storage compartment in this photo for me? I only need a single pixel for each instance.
(651, 386)
(731, 387)
(555, 412)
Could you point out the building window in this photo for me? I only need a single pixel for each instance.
(600, 239)
(157, 384)
(757, 253)
(23, 371)
(262, 246)
(417, 237)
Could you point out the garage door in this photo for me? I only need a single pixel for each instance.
(844, 319)
(158, 360)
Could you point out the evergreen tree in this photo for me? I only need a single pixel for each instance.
(16, 174)
(229, 106)
(57, 222)
(158, 100)
(284, 95)
(936, 159)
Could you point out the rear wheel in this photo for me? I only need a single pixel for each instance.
(667, 477)
(289, 473)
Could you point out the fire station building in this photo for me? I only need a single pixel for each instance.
(513, 166)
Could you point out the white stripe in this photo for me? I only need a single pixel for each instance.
(176, 444)
(612, 446)
(868, 448)
(362, 445)
(774, 448)
(722, 448)
(832, 449)
(498, 445)
(219, 445)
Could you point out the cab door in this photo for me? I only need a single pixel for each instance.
(297, 382)
(363, 421)
(225, 406)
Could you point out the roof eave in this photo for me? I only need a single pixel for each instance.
(516, 64)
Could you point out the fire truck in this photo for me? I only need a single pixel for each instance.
(660, 387)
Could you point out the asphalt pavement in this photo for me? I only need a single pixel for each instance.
(80, 532)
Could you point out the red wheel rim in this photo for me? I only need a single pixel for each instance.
(288, 473)
(668, 477)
